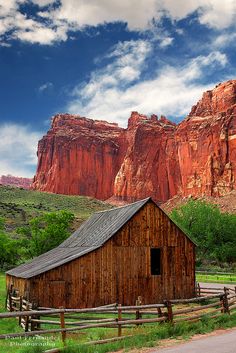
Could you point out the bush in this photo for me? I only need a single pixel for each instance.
(46, 232)
(213, 231)
(8, 248)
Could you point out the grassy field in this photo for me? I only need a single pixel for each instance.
(227, 278)
(18, 206)
(143, 336)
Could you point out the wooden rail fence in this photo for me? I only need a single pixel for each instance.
(214, 302)
(19, 304)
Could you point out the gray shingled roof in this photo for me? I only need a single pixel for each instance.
(91, 235)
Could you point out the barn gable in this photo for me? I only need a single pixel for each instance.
(91, 235)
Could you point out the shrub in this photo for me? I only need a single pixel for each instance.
(213, 231)
(8, 248)
(46, 231)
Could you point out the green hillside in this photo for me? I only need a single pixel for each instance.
(18, 206)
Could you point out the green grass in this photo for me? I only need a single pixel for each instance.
(143, 336)
(152, 336)
(216, 278)
(11, 326)
(18, 206)
(156, 333)
(6, 325)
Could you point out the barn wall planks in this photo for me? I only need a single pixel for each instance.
(120, 270)
(22, 285)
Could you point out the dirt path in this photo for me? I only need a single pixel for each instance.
(219, 342)
(216, 285)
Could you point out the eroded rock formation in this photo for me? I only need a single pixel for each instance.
(152, 157)
(19, 182)
(80, 156)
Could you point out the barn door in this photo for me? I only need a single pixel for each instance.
(57, 294)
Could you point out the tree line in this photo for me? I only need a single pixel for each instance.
(213, 232)
(42, 234)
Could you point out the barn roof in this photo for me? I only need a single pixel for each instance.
(91, 235)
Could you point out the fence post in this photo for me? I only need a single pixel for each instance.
(160, 314)
(32, 324)
(20, 308)
(7, 298)
(27, 318)
(225, 301)
(169, 311)
(137, 314)
(119, 319)
(10, 302)
(38, 326)
(63, 333)
(199, 289)
(222, 304)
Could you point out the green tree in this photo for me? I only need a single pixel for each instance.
(46, 232)
(8, 248)
(213, 231)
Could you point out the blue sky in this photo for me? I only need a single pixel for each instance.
(103, 59)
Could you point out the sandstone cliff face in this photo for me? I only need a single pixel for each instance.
(79, 156)
(152, 157)
(206, 143)
(15, 181)
(150, 166)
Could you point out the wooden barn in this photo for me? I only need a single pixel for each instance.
(115, 256)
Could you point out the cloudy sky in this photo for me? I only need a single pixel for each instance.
(102, 59)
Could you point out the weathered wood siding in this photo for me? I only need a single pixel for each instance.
(22, 285)
(120, 270)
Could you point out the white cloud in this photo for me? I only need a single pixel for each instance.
(79, 13)
(41, 35)
(128, 61)
(32, 31)
(139, 14)
(165, 42)
(218, 14)
(45, 86)
(43, 3)
(171, 91)
(223, 40)
(53, 23)
(20, 26)
(213, 13)
(8, 6)
(4, 44)
(18, 147)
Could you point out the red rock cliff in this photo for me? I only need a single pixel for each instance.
(206, 144)
(151, 157)
(19, 182)
(80, 156)
(150, 166)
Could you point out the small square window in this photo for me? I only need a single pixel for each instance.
(155, 261)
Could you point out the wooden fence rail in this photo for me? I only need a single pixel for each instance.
(223, 301)
(207, 272)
